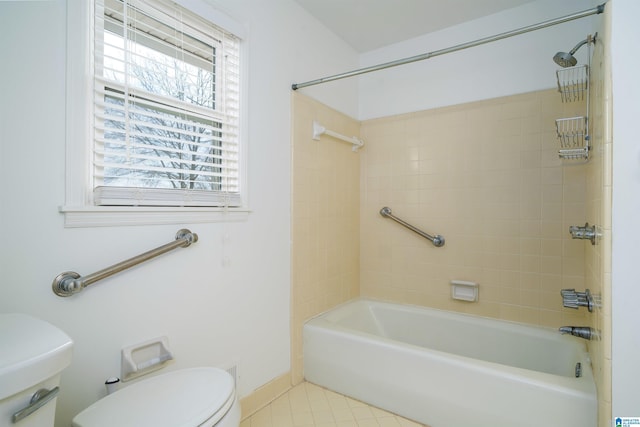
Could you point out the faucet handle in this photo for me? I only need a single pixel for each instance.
(569, 298)
(587, 232)
(573, 299)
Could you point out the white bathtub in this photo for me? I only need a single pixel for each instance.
(447, 369)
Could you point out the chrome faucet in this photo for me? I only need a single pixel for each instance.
(587, 232)
(573, 299)
(578, 331)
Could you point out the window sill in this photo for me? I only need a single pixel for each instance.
(112, 216)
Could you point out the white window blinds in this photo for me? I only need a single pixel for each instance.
(166, 107)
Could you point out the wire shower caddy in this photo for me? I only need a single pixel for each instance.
(573, 83)
(573, 132)
(573, 138)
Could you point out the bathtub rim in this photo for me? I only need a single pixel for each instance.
(359, 300)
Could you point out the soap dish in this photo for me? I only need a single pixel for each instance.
(464, 291)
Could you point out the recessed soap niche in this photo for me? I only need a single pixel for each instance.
(463, 290)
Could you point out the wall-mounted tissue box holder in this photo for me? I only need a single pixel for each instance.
(145, 357)
(464, 291)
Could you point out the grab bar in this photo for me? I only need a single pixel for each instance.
(437, 240)
(70, 282)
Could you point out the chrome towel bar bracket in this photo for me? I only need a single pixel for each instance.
(437, 240)
(70, 282)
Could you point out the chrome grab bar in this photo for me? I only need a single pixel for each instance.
(437, 240)
(70, 282)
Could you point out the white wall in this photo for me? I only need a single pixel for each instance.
(626, 205)
(515, 65)
(212, 314)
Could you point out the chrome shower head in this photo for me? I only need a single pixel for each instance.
(565, 59)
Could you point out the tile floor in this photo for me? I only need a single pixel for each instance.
(308, 405)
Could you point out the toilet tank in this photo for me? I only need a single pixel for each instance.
(33, 353)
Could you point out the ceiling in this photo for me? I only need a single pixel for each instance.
(370, 24)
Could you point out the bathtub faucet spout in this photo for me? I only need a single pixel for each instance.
(578, 331)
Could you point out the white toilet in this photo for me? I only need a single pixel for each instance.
(196, 397)
(33, 353)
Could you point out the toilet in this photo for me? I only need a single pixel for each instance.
(195, 397)
(32, 357)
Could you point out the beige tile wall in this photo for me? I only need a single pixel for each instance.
(325, 218)
(485, 175)
(598, 257)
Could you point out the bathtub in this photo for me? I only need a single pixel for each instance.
(447, 369)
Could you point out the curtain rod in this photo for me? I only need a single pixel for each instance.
(596, 10)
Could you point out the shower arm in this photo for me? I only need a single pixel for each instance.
(593, 11)
(579, 45)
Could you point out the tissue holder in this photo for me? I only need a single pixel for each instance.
(143, 358)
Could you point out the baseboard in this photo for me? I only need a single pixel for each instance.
(265, 394)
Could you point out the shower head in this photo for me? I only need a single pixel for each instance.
(565, 59)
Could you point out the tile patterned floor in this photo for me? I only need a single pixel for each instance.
(308, 405)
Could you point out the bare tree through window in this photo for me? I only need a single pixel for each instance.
(154, 144)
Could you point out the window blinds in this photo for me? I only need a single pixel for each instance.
(166, 107)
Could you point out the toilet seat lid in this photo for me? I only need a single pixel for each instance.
(182, 398)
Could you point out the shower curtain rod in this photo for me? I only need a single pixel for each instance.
(596, 10)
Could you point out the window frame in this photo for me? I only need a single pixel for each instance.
(79, 209)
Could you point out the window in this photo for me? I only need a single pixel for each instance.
(165, 108)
